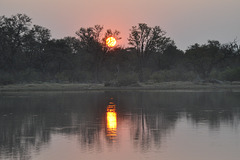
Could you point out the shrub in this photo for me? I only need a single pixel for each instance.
(231, 74)
(123, 79)
(172, 75)
(107, 76)
(126, 79)
(6, 78)
(28, 75)
(62, 76)
(146, 74)
(73, 76)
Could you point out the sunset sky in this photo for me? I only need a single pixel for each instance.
(186, 21)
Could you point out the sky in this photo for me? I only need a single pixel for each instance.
(186, 21)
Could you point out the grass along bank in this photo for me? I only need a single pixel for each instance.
(234, 86)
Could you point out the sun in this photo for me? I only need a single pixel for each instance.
(111, 41)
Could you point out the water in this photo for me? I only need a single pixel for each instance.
(120, 125)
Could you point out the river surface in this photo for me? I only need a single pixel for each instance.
(107, 125)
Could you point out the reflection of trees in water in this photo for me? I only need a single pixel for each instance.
(27, 123)
(214, 118)
(89, 136)
(214, 109)
(149, 128)
(150, 123)
(158, 112)
(19, 133)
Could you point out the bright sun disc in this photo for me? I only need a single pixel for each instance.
(111, 41)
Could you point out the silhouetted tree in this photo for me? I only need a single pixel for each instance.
(203, 58)
(90, 41)
(58, 56)
(27, 53)
(12, 36)
(74, 44)
(170, 58)
(147, 40)
(35, 45)
(231, 56)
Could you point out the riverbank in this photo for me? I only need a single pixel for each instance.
(234, 86)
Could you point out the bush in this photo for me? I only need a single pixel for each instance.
(126, 79)
(231, 74)
(29, 75)
(81, 76)
(62, 76)
(73, 76)
(107, 76)
(123, 79)
(146, 74)
(215, 75)
(6, 78)
(172, 75)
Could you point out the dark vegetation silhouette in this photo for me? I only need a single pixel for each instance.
(28, 54)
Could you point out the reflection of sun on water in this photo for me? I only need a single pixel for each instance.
(111, 121)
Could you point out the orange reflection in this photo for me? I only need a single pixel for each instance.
(111, 121)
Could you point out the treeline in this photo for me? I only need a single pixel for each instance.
(28, 54)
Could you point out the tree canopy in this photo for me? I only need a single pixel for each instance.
(28, 53)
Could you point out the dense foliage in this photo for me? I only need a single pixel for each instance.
(28, 54)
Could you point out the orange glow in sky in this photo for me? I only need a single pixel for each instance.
(186, 21)
(111, 41)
